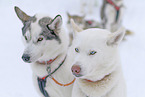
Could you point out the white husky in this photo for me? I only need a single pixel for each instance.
(97, 66)
(46, 48)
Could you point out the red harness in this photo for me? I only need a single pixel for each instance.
(113, 4)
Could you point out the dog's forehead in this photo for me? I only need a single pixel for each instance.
(44, 21)
(91, 38)
(40, 25)
(94, 34)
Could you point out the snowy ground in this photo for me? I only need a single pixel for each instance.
(15, 75)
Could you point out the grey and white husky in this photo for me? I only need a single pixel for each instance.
(46, 49)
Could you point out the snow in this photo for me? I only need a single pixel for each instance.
(15, 75)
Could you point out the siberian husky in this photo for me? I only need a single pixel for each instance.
(82, 22)
(97, 66)
(79, 20)
(46, 49)
(111, 14)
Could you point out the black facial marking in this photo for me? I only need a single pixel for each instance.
(46, 31)
(50, 35)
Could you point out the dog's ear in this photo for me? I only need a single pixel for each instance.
(116, 37)
(75, 27)
(21, 15)
(56, 23)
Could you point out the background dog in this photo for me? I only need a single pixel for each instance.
(81, 22)
(112, 12)
(97, 65)
(46, 48)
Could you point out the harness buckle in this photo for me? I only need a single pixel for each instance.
(48, 68)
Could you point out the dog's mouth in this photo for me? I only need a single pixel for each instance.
(29, 59)
(77, 75)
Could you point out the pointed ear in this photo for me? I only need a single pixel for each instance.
(21, 15)
(116, 37)
(75, 27)
(56, 23)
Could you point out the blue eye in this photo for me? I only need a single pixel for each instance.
(77, 50)
(92, 52)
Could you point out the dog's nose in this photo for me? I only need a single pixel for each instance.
(26, 58)
(76, 69)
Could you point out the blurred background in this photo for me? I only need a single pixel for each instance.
(15, 75)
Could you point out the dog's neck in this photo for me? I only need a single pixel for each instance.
(47, 62)
(100, 87)
(104, 78)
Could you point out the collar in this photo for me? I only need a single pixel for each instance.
(113, 4)
(105, 77)
(54, 70)
(50, 75)
(47, 62)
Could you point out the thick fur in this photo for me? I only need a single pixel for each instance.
(108, 15)
(103, 68)
(43, 46)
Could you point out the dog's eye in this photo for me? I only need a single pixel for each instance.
(77, 50)
(40, 39)
(92, 53)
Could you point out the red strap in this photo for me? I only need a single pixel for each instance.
(112, 3)
(44, 77)
(89, 22)
(89, 80)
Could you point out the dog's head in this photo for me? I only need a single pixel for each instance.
(79, 20)
(41, 35)
(95, 52)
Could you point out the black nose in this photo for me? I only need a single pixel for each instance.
(26, 58)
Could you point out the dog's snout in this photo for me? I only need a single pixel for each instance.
(26, 58)
(76, 69)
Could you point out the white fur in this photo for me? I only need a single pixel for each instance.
(46, 50)
(96, 67)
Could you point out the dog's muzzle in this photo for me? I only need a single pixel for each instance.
(26, 58)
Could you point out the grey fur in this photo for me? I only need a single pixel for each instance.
(45, 21)
(27, 24)
(46, 31)
(49, 34)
